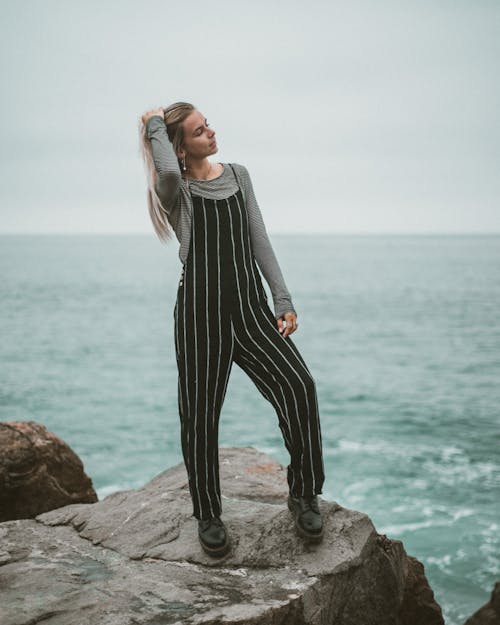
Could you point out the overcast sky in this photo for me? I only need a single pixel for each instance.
(350, 116)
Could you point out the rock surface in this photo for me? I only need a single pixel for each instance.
(489, 614)
(38, 472)
(134, 558)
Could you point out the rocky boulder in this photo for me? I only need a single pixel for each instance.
(38, 472)
(134, 558)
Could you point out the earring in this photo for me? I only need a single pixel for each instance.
(183, 164)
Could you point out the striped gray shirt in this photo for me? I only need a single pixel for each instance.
(174, 193)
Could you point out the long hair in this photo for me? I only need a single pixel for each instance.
(174, 115)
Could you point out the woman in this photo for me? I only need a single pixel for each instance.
(222, 315)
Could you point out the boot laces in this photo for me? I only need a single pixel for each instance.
(311, 503)
(214, 520)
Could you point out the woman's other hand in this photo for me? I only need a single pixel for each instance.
(290, 320)
(158, 111)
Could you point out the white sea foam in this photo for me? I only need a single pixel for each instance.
(104, 491)
(397, 530)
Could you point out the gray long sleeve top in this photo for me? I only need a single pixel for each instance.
(175, 196)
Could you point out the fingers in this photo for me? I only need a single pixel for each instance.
(148, 114)
(287, 324)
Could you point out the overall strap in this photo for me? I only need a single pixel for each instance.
(238, 180)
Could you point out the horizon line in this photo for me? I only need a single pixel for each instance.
(279, 233)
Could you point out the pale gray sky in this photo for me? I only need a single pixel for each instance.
(350, 116)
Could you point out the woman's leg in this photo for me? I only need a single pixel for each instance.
(281, 375)
(275, 365)
(204, 351)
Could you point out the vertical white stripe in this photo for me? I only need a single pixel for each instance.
(187, 415)
(195, 411)
(215, 412)
(180, 399)
(207, 367)
(318, 431)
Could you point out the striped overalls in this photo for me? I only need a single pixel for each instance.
(222, 315)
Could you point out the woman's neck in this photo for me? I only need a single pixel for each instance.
(202, 170)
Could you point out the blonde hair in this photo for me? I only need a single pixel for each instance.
(174, 115)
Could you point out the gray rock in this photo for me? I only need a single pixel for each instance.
(134, 558)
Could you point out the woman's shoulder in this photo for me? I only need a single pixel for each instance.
(236, 165)
(240, 169)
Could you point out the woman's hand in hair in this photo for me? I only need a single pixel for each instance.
(291, 323)
(158, 111)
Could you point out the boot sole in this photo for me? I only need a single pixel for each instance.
(216, 552)
(312, 538)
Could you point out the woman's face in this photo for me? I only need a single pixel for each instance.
(199, 138)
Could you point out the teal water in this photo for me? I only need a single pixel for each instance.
(402, 334)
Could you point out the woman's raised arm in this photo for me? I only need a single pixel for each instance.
(165, 160)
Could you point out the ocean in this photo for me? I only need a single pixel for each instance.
(402, 335)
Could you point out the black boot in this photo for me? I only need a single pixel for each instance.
(307, 517)
(213, 536)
